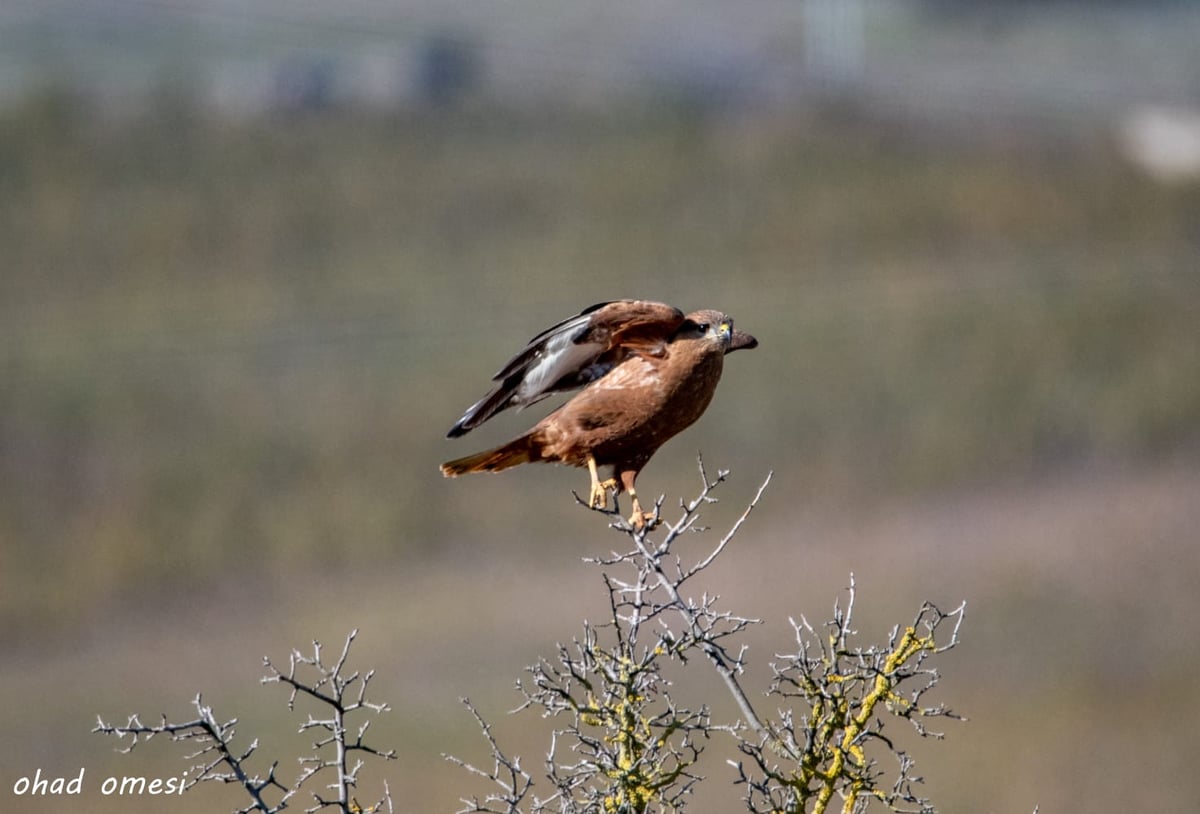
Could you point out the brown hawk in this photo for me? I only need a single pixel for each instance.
(647, 373)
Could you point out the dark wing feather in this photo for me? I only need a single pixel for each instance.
(573, 353)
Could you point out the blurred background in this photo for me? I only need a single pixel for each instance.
(258, 257)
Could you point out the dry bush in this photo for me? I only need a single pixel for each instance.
(336, 757)
(620, 742)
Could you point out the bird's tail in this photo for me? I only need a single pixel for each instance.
(517, 451)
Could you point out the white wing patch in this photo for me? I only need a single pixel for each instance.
(560, 356)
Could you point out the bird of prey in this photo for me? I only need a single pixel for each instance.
(647, 370)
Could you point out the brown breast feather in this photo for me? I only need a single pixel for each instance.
(625, 416)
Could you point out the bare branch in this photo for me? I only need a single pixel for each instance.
(844, 693)
(214, 756)
(344, 695)
(506, 773)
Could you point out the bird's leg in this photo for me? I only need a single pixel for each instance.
(599, 495)
(640, 518)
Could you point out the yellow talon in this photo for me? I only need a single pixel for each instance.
(640, 519)
(599, 495)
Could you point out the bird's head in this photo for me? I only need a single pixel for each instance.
(716, 327)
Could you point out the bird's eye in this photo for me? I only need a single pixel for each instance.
(702, 327)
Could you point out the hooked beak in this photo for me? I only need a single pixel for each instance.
(739, 340)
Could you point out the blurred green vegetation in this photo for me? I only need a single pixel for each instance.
(234, 347)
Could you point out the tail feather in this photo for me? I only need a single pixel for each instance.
(517, 451)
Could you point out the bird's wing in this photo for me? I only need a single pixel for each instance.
(574, 353)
